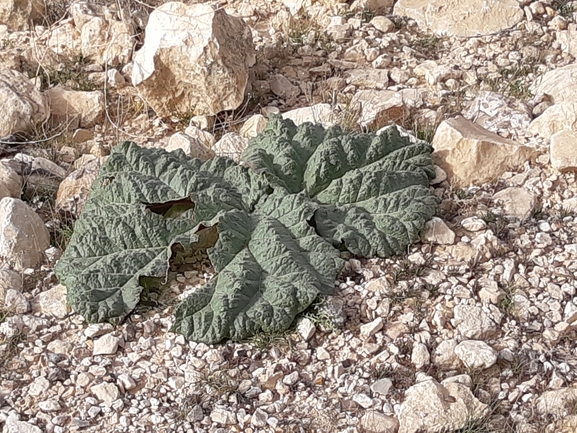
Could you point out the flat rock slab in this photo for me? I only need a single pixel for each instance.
(459, 18)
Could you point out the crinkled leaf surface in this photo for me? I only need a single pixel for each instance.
(372, 190)
(280, 223)
(270, 266)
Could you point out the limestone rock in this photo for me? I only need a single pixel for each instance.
(377, 6)
(473, 224)
(568, 41)
(319, 113)
(557, 118)
(372, 328)
(106, 392)
(106, 345)
(376, 422)
(222, 416)
(39, 386)
(74, 189)
(556, 402)
(560, 84)
(490, 291)
(16, 302)
(75, 108)
(477, 322)
(444, 355)
(52, 302)
(192, 147)
(476, 354)
(20, 14)
(433, 407)
(49, 406)
(203, 137)
(368, 78)
(306, 328)
(231, 145)
(420, 355)
(516, 202)
(454, 17)
(495, 112)
(9, 280)
(472, 155)
(382, 386)
(259, 418)
(65, 40)
(253, 126)
(14, 425)
(563, 150)
(21, 104)
(23, 235)
(194, 60)
(283, 88)
(383, 24)
(378, 108)
(10, 182)
(437, 232)
(102, 37)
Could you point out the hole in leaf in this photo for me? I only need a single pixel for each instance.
(171, 209)
(188, 267)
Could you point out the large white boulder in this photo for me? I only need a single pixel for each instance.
(195, 60)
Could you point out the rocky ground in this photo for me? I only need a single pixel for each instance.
(473, 330)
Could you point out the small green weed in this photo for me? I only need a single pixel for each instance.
(506, 304)
(219, 382)
(268, 340)
(407, 270)
(70, 74)
(319, 316)
(497, 223)
(512, 81)
(463, 194)
(475, 425)
(56, 10)
(9, 349)
(381, 371)
(428, 45)
(539, 213)
(565, 8)
(4, 313)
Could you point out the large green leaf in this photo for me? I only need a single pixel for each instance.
(372, 190)
(275, 225)
(270, 266)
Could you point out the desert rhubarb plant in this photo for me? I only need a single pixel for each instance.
(274, 227)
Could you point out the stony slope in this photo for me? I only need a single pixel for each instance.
(472, 330)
